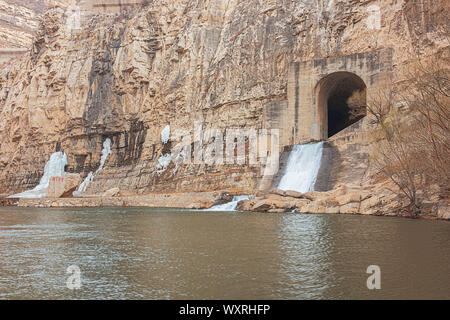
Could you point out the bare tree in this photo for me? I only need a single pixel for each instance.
(382, 102)
(428, 98)
(398, 160)
(412, 130)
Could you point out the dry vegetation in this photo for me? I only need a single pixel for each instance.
(412, 132)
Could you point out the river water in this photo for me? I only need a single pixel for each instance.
(166, 254)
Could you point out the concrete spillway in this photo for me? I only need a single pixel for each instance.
(300, 175)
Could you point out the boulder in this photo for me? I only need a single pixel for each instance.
(261, 193)
(332, 210)
(64, 186)
(311, 208)
(273, 203)
(223, 197)
(201, 205)
(262, 206)
(282, 204)
(278, 192)
(315, 195)
(298, 195)
(443, 211)
(348, 198)
(245, 205)
(370, 203)
(299, 203)
(278, 210)
(6, 202)
(350, 208)
(274, 196)
(114, 192)
(291, 194)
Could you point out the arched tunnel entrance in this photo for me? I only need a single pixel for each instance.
(341, 102)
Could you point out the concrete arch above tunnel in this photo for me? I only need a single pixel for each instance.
(341, 102)
(326, 95)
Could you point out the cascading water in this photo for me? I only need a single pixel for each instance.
(105, 153)
(230, 206)
(53, 168)
(302, 168)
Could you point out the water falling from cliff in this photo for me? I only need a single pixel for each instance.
(302, 168)
(53, 168)
(230, 206)
(105, 153)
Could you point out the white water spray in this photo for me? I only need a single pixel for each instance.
(230, 206)
(53, 168)
(105, 153)
(302, 168)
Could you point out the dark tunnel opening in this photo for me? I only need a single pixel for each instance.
(342, 101)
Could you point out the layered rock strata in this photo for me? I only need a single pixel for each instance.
(213, 64)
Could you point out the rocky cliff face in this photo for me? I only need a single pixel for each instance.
(218, 63)
(19, 19)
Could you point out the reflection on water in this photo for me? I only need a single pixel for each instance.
(163, 254)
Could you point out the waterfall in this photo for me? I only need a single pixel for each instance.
(230, 206)
(105, 153)
(302, 168)
(53, 168)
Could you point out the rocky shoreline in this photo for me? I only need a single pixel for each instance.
(343, 200)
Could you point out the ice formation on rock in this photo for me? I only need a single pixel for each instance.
(230, 206)
(165, 135)
(105, 153)
(54, 168)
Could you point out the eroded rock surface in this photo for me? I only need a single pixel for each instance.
(218, 63)
(63, 186)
